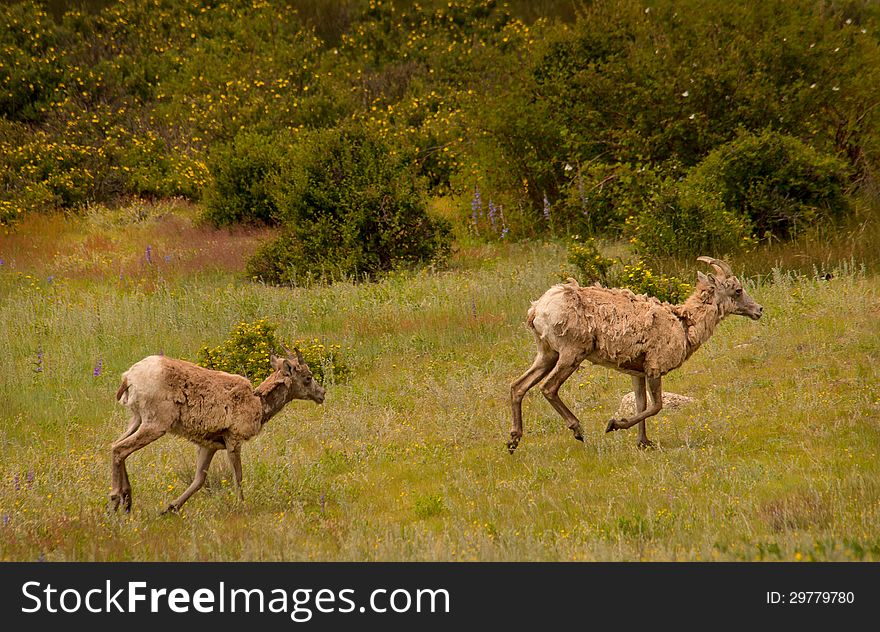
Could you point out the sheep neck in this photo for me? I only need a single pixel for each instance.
(273, 394)
(700, 316)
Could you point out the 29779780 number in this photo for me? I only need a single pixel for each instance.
(810, 596)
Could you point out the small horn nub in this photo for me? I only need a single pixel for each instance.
(721, 267)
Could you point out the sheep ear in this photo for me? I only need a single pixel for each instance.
(287, 367)
(273, 361)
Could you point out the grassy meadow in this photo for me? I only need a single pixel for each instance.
(777, 459)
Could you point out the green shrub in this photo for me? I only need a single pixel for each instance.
(775, 180)
(642, 280)
(681, 221)
(428, 505)
(593, 267)
(247, 349)
(590, 263)
(351, 208)
(243, 174)
(599, 197)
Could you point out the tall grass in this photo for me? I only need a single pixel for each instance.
(407, 460)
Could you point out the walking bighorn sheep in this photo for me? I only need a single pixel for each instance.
(213, 409)
(634, 334)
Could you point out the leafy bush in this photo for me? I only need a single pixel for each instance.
(129, 99)
(599, 196)
(683, 221)
(775, 180)
(247, 350)
(243, 174)
(642, 280)
(351, 208)
(428, 505)
(594, 267)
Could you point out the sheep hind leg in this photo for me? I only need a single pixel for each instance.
(654, 385)
(542, 365)
(133, 424)
(203, 462)
(120, 492)
(561, 372)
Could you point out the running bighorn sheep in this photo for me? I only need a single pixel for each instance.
(631, 333)
(213, 409)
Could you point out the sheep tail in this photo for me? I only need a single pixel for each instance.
(122, 392)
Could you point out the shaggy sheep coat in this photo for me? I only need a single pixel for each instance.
(632, 333)
(207, 407)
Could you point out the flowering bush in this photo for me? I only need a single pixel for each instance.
(247, 349)
(594, 267)
(640, 279)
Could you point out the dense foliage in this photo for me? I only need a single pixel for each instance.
(570, 122)
(247, 349)
(351, 207)
(591, 266)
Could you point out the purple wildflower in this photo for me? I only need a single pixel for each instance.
(493, 212)
(30, 478)
(149, 255)
(50, 279)
(39, 366)
(167, 258)
(546, 208)
(476, 205)
(504, 227)
(15, 484)
(5, 519)
(98, 367)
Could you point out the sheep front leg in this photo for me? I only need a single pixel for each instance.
(640, 392)
(234, 454)
(654, 385)
(203, 462)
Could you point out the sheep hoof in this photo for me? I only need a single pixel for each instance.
(126, 502)
(612, 426)
(578, 435)
(170, 509)
(645, 444)
(511, 445)
(114, 502)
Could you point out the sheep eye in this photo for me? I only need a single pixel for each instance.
(739, 291)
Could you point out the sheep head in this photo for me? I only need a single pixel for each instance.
(728, 292)
(297, 376)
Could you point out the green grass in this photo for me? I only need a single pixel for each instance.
(407, 460)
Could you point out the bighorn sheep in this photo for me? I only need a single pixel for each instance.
(213, 409)
(634, 334)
